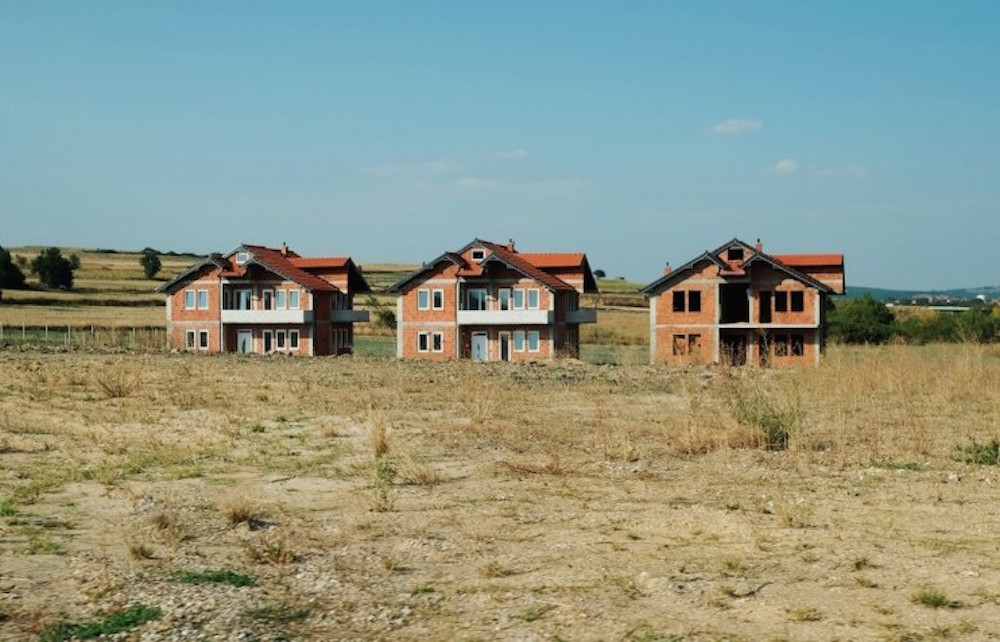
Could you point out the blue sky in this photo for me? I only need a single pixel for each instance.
(640, 133)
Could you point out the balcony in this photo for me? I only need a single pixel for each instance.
(581, 316)
(349, 316)
(267, 316)
(505, 317)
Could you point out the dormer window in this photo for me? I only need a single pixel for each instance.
(478, 254)
(735, 254)
(242, 258)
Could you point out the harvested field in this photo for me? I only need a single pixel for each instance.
(360, 498)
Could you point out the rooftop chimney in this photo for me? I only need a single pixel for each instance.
(759, 246)
(666, 268)
(510, 244)
(284, 248)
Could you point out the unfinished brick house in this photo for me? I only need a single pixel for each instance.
(262, 300)
(489, 302)
(740, 305)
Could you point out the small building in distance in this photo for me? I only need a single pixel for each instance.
(739, 305)
(489, 302)
(263, 300)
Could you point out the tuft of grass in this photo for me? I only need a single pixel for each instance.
(111, 624)
(805, 614)
(383, 474)
(934, 598)
(7, 508)
(496, 569)
(241, 510)
(220, 576)
(271, 551)
(984, 454)
(141, 551)
(421, 590)
(776, 423)
(279, 613)
(534, 613)
(118, 381)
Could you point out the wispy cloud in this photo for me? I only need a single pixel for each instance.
(474, 184)
(784, 166)
(567, 187)
(411, 170)
(510, 154)
(855, 172)
(735, 126)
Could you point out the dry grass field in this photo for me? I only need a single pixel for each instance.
(178, 496)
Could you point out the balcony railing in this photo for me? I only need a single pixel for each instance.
(505, 317)
(581, 316)
(349, 316)
(267, 316)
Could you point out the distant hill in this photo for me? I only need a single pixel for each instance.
(992, 293)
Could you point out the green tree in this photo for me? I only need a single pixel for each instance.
(150, 262)
(861, 320)
(11, 276)
(55, 270)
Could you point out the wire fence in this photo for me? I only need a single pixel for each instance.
(90, 337)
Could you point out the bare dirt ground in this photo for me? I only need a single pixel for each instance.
(372, 499)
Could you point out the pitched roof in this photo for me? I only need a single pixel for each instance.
(319, 262)
(554, 259)
(282, 265)
(788, 267)
(810, 260)
(519, 263)
(213, 259)
(452, 257)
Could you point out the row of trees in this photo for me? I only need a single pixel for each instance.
(867, 320)
(50, 266)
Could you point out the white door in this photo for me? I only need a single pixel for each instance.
(480, 347)
(244, 341)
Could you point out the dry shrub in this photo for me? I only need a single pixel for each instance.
(240, 510)
(418, 474)
(118, 380)
(378, 435)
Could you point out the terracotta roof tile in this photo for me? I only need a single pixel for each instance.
(803, 260)
(281, 264)
(319, 262)
(553, 259)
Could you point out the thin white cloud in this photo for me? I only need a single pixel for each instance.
(510, 154)
(735, 126)
(568, 187)
(784, 166)
(855, 172)
(410, 170)
(474, 184)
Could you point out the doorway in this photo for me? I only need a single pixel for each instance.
(244, 341)
(480, 347)
(504, 346)
(733, 350)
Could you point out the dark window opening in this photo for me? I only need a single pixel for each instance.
(781, 345)
(764, 350)
(765, 307)
(735, 254)
(678, 300)
(694, 301)
(735, 304)
(694, 343)
(798, 345)
(798, 301)
(678, 348)
(781, 301)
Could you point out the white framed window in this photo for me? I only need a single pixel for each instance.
(423, 299)
(202, 299)
(519, 299)
(533, 342)
(293, 299)
(279, 339)
(518, 340)
(476, 299)
(203, 339)
(243, 298)
(280, 300)
(267, 298)
(242, 258)
(422, 342)
(227, 299)
(478, 254)
(437, 299)
(437, 342)
(293, 339)
(533, 298)
(189, 299)
(503, 299)
(268, 341)
(189, 340)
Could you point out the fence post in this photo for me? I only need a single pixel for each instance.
(22, 331)
(46, 333)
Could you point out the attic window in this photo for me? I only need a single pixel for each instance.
(735, 254)
(478, 254)
(242, 258)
